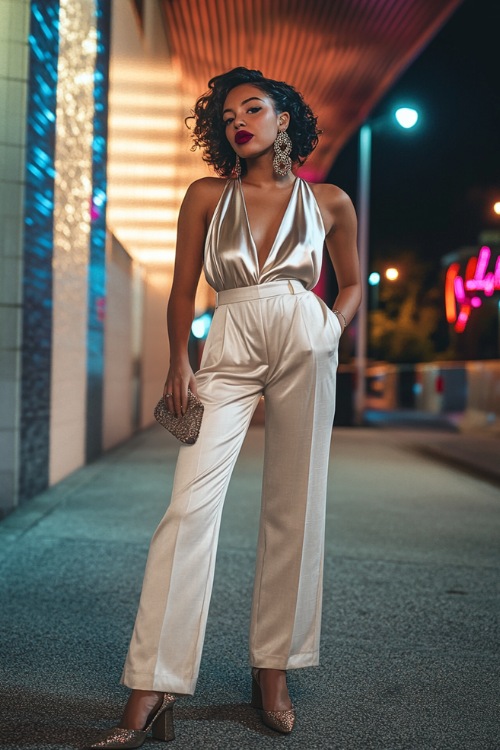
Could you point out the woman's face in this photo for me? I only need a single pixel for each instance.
(251, 121)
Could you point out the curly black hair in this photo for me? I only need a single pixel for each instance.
(209, 132)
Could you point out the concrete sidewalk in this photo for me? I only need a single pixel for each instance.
(410, 653)
(476, 452)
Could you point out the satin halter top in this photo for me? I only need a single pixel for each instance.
(230, 256)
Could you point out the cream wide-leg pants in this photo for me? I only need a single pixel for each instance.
(279, 340)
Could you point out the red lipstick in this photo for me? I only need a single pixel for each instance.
(243, 136)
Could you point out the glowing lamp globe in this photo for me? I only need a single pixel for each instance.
(406, 117)
(391, 274)
(200, 326)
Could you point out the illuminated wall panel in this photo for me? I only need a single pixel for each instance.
(71, 252)
(37, 276)
(150, 164)
(64, 241)
(97, 258)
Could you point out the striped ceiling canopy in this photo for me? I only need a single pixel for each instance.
(343, 55)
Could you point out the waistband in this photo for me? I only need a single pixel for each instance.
(259, 291)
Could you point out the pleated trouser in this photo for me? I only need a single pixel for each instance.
(279, 340)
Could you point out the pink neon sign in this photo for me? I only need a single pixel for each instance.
(461, 292)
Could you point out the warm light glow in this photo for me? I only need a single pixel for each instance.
(391, 274)
(154, 147)
(146, 75)
(407, 117)
(143, 236)
(121, 171)
(139, 215)
(144, 124)
(154, 257)
(374, 278)
(496, 208)
(449, 292)
(148, 194)
(143, 100)
(149, 161)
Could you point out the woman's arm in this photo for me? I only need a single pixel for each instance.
(191, 230)
(341, 225)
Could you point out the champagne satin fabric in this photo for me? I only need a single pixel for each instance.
(279, 340)
(271, 336)
(230, 253)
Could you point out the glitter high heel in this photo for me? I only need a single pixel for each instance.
(280, 721)
(161, 724)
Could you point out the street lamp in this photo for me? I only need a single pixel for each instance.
(407, 118)
(391, 274)
(374, 281)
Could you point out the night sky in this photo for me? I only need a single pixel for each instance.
(433, 187)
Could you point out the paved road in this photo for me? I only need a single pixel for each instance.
(410, 657)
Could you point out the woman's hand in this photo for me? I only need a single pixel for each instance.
(180, 377)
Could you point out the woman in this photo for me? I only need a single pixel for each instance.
(259, 236)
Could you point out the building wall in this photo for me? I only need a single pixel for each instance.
(150, 166)
(155, 348)
(136, 349)
(118, 409)
(83, 337)
(14, 26)
(53, 72)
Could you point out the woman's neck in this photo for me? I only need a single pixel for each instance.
(260, 173)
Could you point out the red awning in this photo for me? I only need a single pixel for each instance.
(343, 55)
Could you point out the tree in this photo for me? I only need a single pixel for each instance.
(401, 328)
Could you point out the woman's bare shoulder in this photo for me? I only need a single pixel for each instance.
(205, 193)
(334, 204)
(330, 195)
(207, 187)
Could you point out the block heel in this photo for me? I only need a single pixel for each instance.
(163, 726)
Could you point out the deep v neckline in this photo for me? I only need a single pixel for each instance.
(254, 246)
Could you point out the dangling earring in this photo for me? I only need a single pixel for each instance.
(282, 163)
(237, 167)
